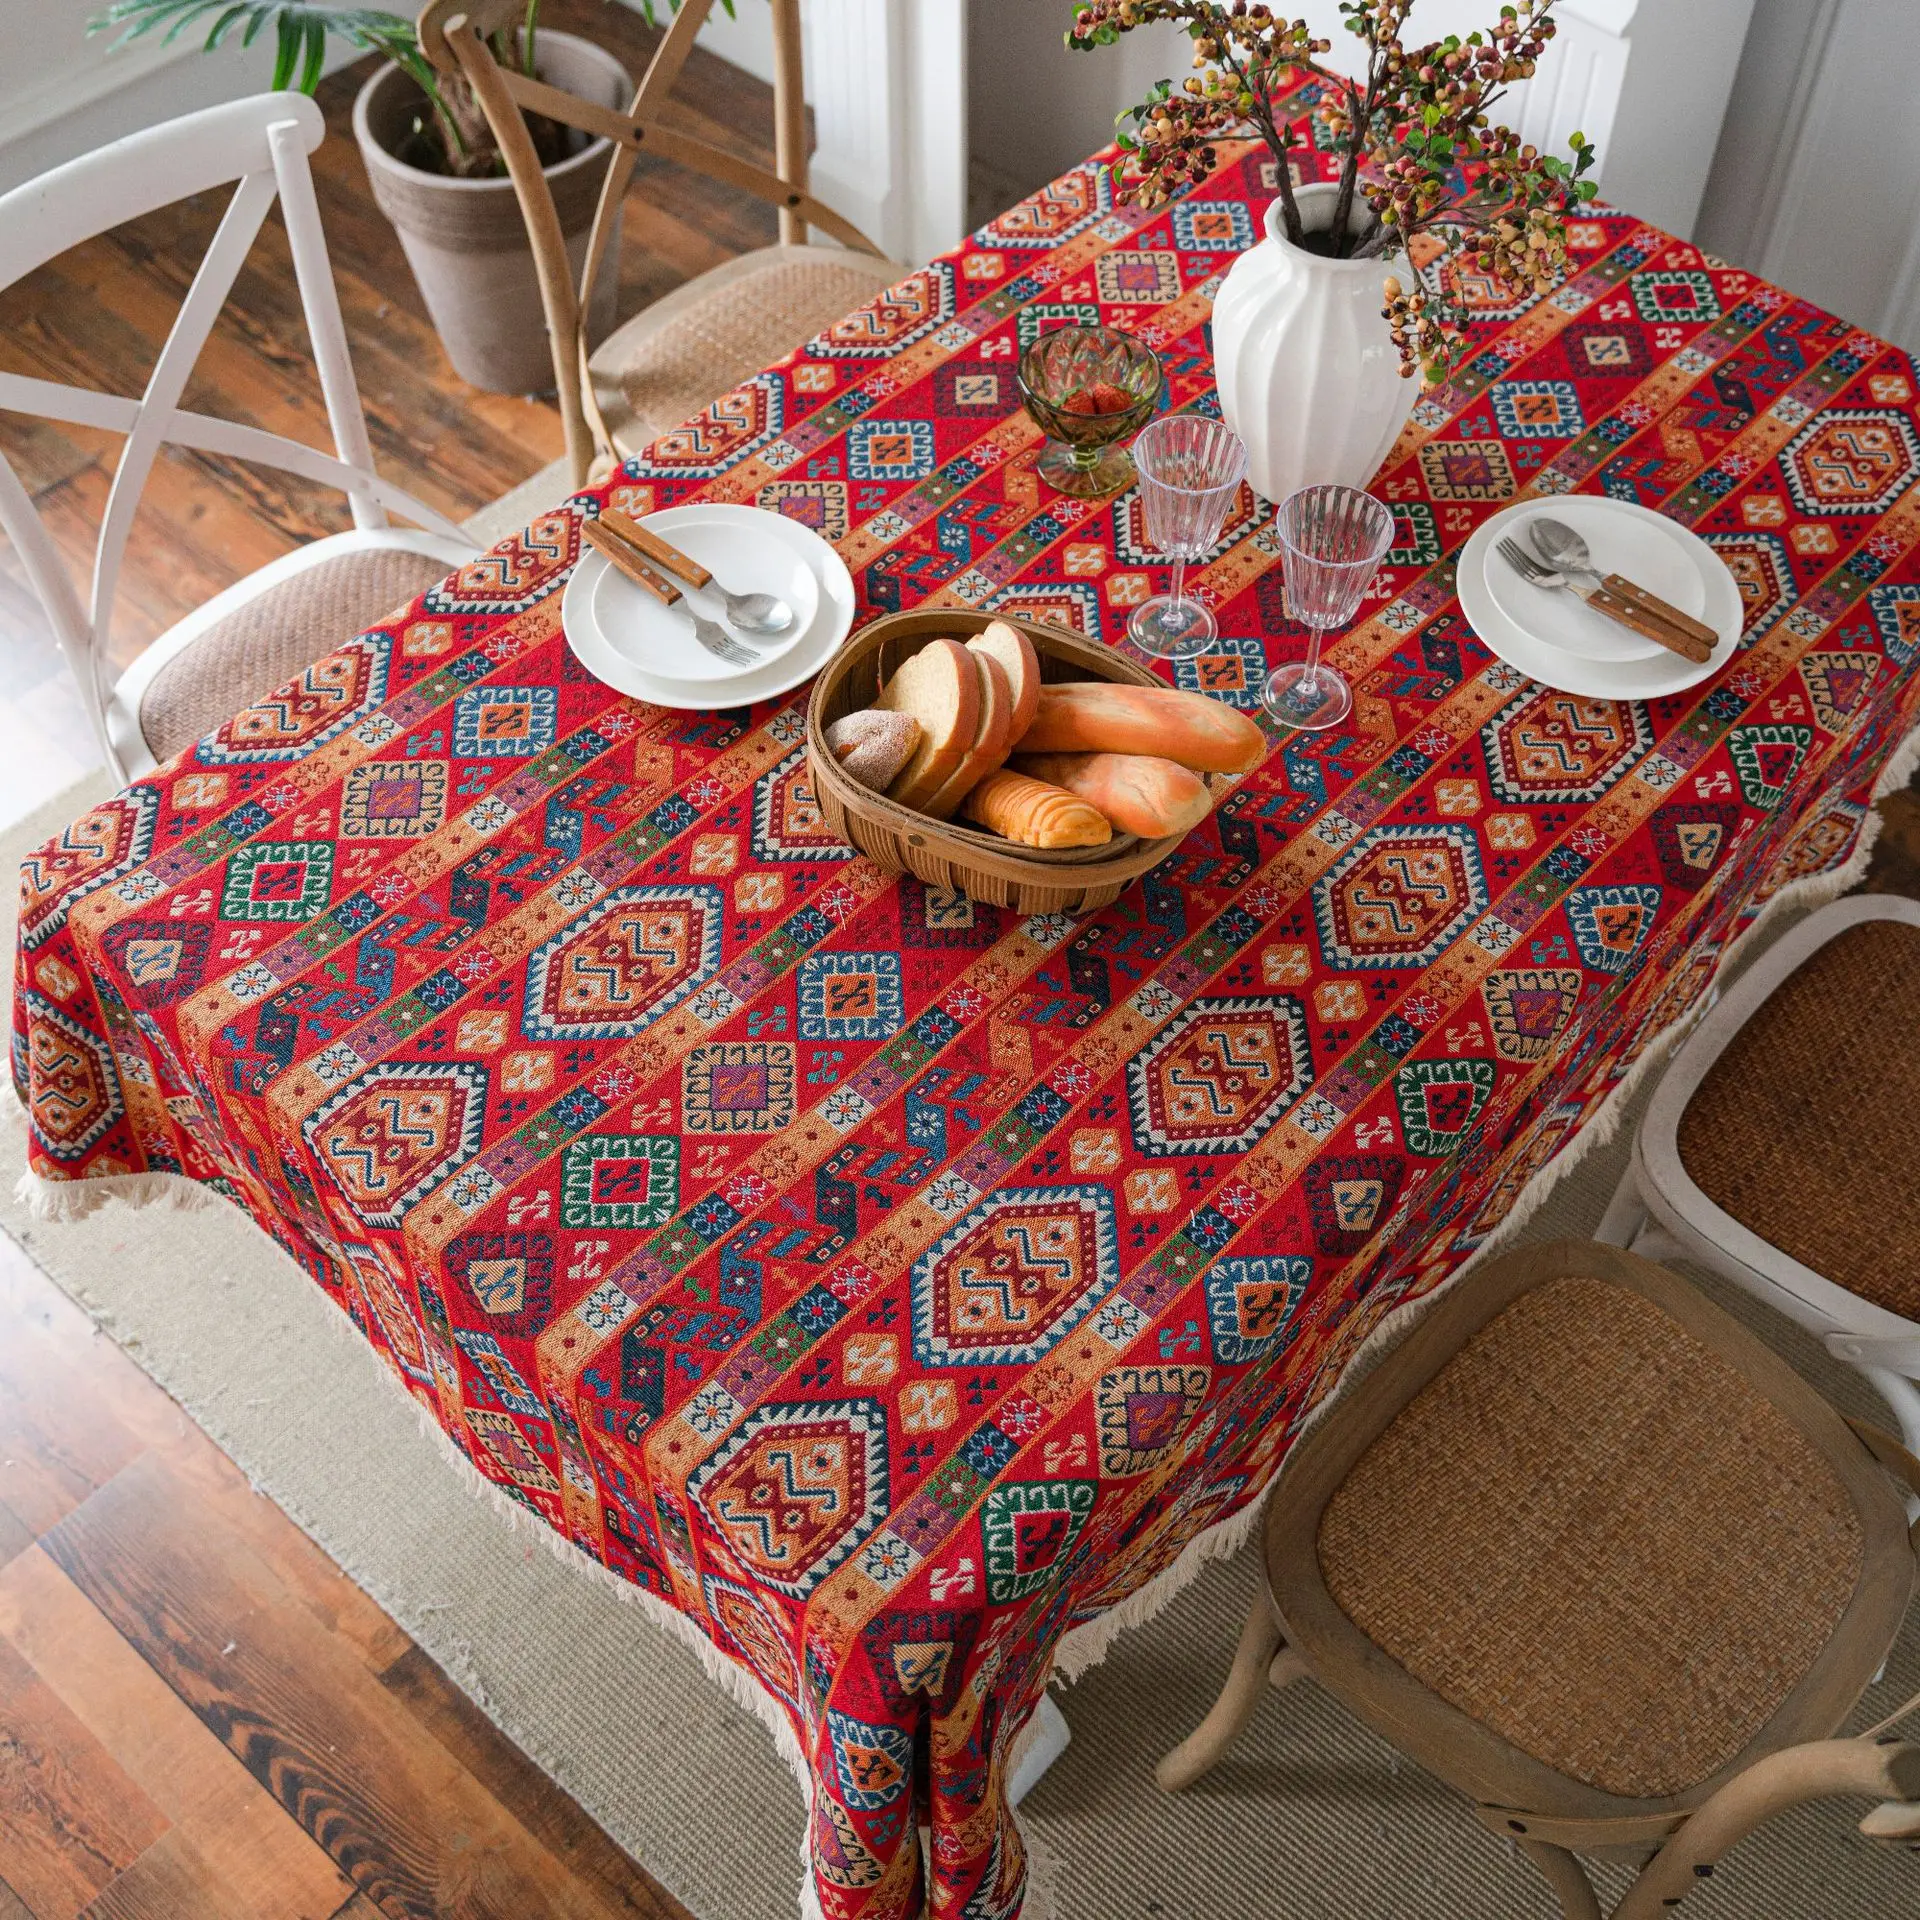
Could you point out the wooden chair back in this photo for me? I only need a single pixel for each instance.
(455, 37)
(261, 143)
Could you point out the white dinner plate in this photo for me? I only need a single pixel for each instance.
(626, 638)
(1556, 639)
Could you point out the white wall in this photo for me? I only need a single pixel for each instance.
(1817, 180)
(1035, 107)
(63, 92)
(1646, 80)
(887, 81)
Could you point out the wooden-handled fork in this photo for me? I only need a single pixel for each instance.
(1617, 607)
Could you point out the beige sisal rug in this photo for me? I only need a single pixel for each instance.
(1310, 1818)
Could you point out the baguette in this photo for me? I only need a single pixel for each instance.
(1034, 814)
(873, 746)
(940, 687)
(1102, 716)
(1137, 792)
(991, 743)
(1015, 653)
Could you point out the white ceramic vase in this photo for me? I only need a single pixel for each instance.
(1309, 376)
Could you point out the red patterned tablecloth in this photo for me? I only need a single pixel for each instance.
(886, 1282)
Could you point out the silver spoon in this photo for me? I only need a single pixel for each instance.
(1560, 546)
(756, 612)
(751, 612)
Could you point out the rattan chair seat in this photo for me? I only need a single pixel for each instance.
(1802, 1129)
(702, 340)
(273, 637)
(1594, 1536)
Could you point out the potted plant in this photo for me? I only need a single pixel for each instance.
(433, 165)
(1309, 330)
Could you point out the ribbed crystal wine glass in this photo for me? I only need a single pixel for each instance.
(1190, 468)
(1331, 540)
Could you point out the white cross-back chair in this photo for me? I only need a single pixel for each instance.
(1779, 1146)
(267, 628)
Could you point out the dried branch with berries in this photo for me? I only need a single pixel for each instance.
(1420, 152)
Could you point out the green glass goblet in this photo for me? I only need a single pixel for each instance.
(1088, 389)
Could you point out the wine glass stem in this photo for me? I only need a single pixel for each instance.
(1086, 458)
(1179, 578)
(1310, 679)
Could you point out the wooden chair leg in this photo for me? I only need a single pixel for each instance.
(1566, 1876)
(1819, 1770)
(1253, 1658)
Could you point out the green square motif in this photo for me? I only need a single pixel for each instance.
(1027, 1530)
(1439, 1101)
(285, 880)
(620, 1180)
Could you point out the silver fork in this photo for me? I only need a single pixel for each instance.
(719, 642)
(1526, 565)
(1600, 598)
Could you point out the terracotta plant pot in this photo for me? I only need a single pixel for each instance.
(465, 239)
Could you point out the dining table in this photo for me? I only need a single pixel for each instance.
(894, 1287)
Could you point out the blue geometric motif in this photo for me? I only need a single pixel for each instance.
(512, 723)
(1896, 616)
(1251, 1304)
(1610, 924)
(491, 1363)
(1537, 410)
(1212, 226)
(1230, 669)
(890, 449)
(875, 1764)
(850, 996)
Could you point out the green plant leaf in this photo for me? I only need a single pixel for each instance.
(287, 38)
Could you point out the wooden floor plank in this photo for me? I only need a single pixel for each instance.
(173, 1880)
(396, 1812)
(15, 1535)
(241, 1838)
(50, 1460)
(70, 1819)
(549, 1814)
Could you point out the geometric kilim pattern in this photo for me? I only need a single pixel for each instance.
(1400, 896)
(1551, 747)
(1219, 1076)
(627, 960)
(797, 1488)
(394, 1132)
(1013, 1278)
(887, 1280)
(323, 702)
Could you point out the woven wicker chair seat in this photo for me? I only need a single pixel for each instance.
(702, 340)
(275, 636)
(1591, 1534)
(1802, 1129)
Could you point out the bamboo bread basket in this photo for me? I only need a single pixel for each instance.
(951, 853)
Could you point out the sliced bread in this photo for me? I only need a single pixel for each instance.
(991, 744)
(942, 689)
(1015, 653)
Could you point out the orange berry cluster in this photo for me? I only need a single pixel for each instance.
(1420, 152)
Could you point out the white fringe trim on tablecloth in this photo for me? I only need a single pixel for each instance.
(1087, 1645)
